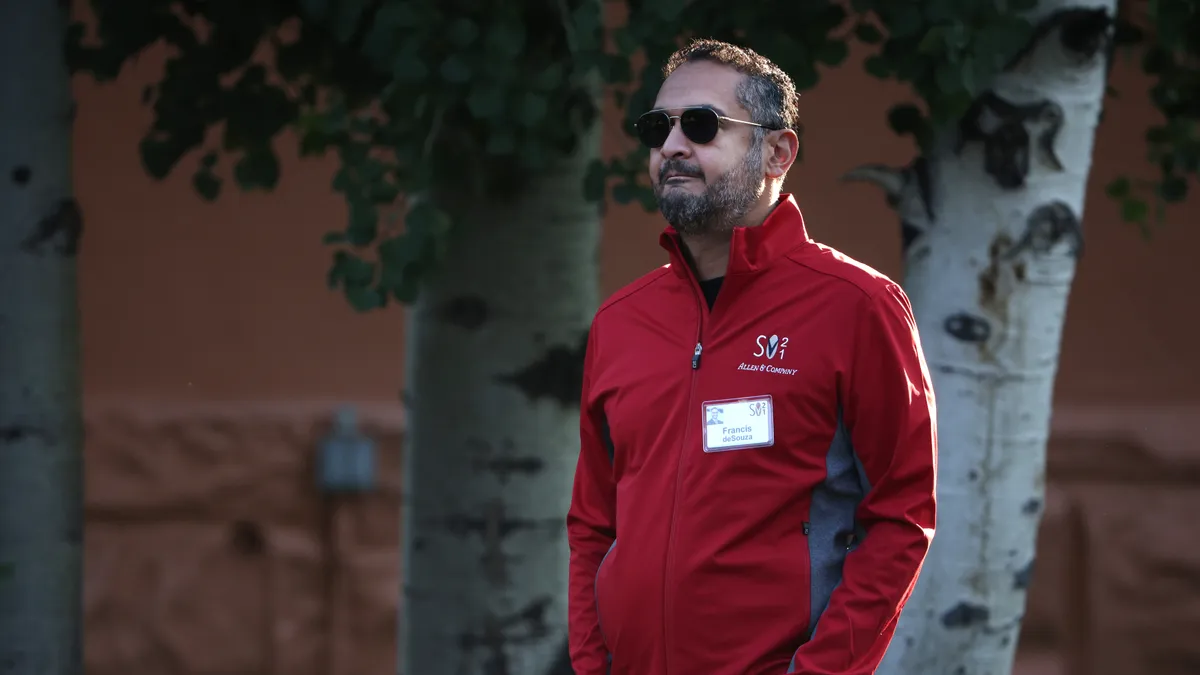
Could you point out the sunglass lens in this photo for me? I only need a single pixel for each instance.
(699, 125)
(653, 129)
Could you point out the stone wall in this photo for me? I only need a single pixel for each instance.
(1117, 585)
(209, 549)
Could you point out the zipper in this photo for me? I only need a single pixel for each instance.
(668, 581)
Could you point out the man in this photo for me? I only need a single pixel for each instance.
(755, 487)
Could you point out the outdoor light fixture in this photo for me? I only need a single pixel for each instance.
(346, 457)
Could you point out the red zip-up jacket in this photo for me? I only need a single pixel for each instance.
(793, 556)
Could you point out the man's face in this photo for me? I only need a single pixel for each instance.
(708, 188)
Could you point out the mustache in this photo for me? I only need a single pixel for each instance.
(679, 167)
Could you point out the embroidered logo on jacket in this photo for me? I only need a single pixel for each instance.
(771, 348)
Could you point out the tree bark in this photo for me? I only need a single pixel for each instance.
(41, 489)
(495, 359)
(990, 256)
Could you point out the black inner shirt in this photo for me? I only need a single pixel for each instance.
(710, 288)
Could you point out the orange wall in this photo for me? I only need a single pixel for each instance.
(187, 301)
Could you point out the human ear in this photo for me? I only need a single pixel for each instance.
(782, 149)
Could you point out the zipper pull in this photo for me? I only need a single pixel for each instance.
(696, 356)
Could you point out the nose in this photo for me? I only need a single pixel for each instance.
(677, 144)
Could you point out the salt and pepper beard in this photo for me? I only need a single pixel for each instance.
(722, 205)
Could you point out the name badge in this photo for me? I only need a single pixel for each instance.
(738, 424)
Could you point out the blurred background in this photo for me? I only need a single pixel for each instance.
(215, 358)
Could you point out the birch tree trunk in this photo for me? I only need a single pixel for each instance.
(992, 228)
(40, 430)
(495, 358)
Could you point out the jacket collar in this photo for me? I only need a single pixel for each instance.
(752, 249)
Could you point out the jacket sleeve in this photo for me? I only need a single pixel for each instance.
(890, 414)
(591, 526)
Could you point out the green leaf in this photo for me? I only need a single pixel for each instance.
(1119, 188)
(627, 41)
(949, 78)
(833, 53)
(646, 198)
(456, 70)
(1174, 189)
(968, 75)
(409, 257)
(1134, 210)
(316, 9)
(615, 69)
(365, 298)
(206, 183)
(624, 193)
(937, 11)
(904, 20)
(533, 153)
(805, 76)
(382, 191)
(256, 111)
(427, 220)
(398, 255)
(1001, 39)
(364, 222)
(160, 155)
(532, 109)
(867, 33)
(258, 168)
(1158, 135)
(486, 101)
(595, 180)
(347, 15)
(906, 119)
(343, 179)
(506, 39)
(934, 41)
(669, 10)
(587, 23)
(408, 68)
(350, 269)
(550, 77)
(877, 66)
(501, 142)
(1157, 60)
(379, 45)
(463, 32)
(334, 238)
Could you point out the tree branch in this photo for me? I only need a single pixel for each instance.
(909, 191)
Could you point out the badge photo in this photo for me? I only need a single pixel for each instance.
(738, 424)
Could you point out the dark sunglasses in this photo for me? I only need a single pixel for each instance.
(699, 125)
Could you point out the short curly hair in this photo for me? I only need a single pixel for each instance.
(766, 92)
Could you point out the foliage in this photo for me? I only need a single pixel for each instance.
(1172, 59)
(425, 102)
(957, 46)
(414, 96)
(949, 51)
